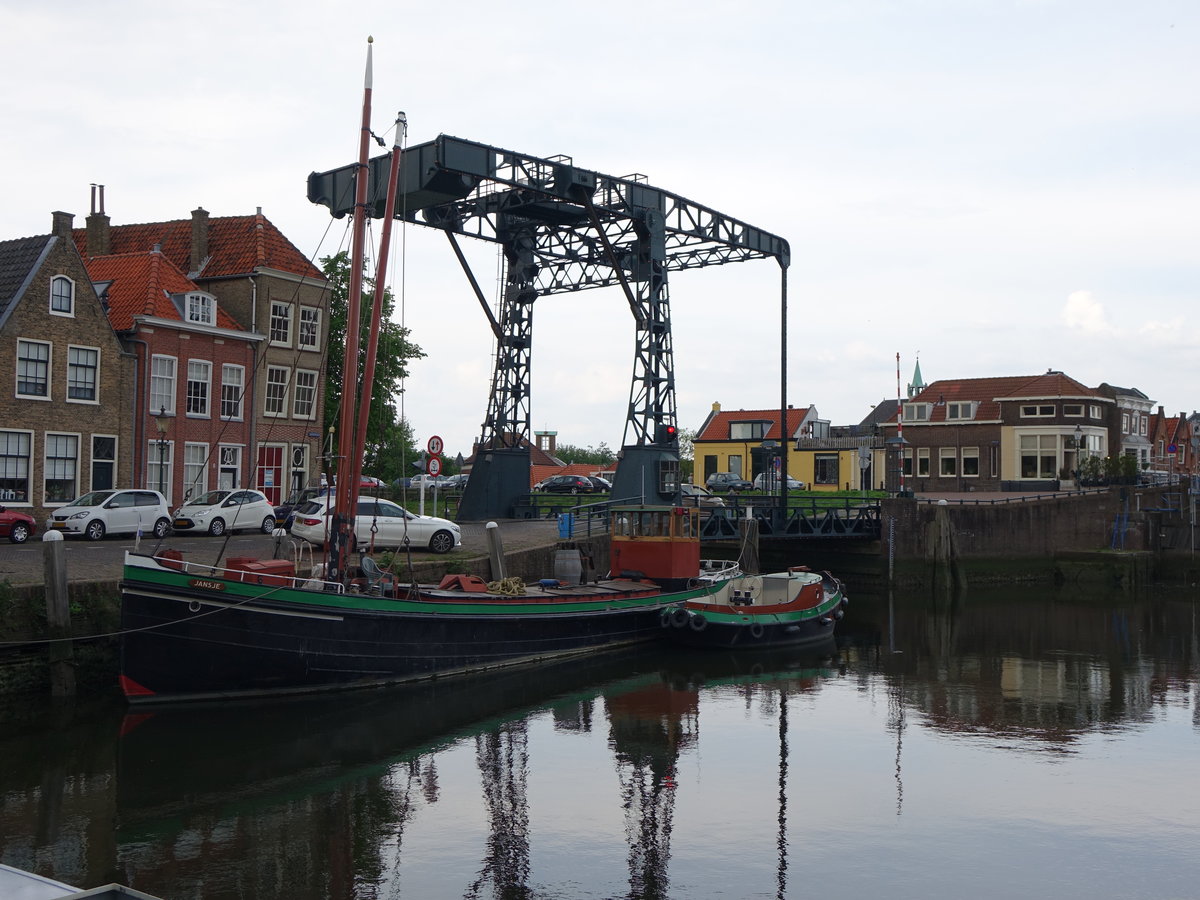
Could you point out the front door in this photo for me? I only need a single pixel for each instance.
(270, 472)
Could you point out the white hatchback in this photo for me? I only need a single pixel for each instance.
(98, 513)
(392, 525)
(219, 511)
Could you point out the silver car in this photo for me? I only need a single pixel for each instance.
(390, 524)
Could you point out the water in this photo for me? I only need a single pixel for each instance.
(1007, 744)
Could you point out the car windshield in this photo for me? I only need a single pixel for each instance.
(311, 507)
(94, 498)
(212, 498)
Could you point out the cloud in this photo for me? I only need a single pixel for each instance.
(1085, 313)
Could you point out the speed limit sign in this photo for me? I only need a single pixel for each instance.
(435, 445)
(434, 466)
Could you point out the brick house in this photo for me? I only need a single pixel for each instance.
(65, 416)
(1129, 434)
(732, 441)
(1007, 433)
(190, 396)
(1175, 444)
(270, 288)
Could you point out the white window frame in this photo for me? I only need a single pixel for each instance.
(1073, 410)
(308, 333)
(95, 398)
(200, 308)
(947, 455)
(161, 399)
(167, 448)
(299, 465)
(229, 459)
(297, 387)
(69, 465)
(1037, 411)
(965, 454)
(195, 468)
(285, 324)
(922, 462)
(49, 367)
(201, 396)
(70, 282)
(280, 398)
(916, 412)
(11, 465)
(111, 463)
(232, 391)
(1094, 411)
(961, 410)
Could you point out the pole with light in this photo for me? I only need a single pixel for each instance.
(162, 421)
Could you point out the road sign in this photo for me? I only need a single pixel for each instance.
(435, 445)
(434, 466)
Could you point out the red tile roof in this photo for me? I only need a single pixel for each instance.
(987, 392)
(140, 286)
(717, 427)
(237, 245)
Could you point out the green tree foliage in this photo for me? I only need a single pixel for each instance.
(597, 456)
(390, 446)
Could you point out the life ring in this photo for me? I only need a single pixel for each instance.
(756, 630)
(698, 622)
(679, 617)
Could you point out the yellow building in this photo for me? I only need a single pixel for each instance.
(747, 442)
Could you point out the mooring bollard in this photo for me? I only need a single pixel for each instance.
(61, 655)
(495, 551)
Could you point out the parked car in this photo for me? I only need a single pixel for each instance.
(431, 482)
(770, 482)
(16, 526)
(457, 482)
(601, 485)
(727, 481)
(98, 513)
(219, 511)
(393, 525)
(695, 495)
(568, 484)
(286, 511)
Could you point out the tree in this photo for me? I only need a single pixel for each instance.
(390, 444)
(596, 456)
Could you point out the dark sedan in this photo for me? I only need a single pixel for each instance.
(568, 484)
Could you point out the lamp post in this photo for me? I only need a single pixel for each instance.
(162, 422)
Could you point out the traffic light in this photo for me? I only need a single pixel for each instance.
(665, 434)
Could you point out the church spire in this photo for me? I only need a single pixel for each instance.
(918, 384)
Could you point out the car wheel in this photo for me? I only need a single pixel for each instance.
(95, 530)
(441, 542)
(268, 524)
(162, 527)
(217, 527)
(575, 490)
(19, 533)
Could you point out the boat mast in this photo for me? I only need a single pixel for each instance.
(346, 492)
(368, 380)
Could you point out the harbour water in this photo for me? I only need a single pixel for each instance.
(1005, 743)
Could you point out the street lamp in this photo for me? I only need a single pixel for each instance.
(162, 422)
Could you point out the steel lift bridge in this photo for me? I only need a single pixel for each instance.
(561, 228)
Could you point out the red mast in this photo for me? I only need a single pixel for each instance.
(346, 491)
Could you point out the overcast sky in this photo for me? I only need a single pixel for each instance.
(1001, 187)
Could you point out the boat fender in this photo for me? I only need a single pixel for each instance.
(838, 614)
(679, 617)
(825, 620)
(756, 630)
(698, 622)
(664, 617)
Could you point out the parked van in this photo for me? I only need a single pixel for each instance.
(99, 513)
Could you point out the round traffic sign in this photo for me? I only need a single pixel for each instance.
(434, 466)
(435, 445)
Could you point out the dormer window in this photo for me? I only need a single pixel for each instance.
(748, 431)
(201, 309)
(916, 412)
(62, 296)
(960, 410)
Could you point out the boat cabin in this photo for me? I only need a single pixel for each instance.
(656, 542)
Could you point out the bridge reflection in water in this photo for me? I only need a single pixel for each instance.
(993, 720)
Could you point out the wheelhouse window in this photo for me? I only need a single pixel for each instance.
(201, 308)
(83, 364)
(162, 383)
(198, 383)
(14, 466)
(33, 369)
(281, 323)
(304, 395)
(62, 296)
(275, 402)
(310, 328)
(61, 467)
(233, 382)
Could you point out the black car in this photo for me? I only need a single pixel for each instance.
(286, 511)
(726, 481)
(600, 485)
(568, 484)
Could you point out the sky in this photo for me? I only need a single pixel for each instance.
(995, 187)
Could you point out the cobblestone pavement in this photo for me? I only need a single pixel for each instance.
(22, 564)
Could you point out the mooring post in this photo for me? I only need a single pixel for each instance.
(495, 551)
(748, 526)
(61, 654)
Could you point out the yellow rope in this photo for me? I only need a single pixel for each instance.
(511, 585)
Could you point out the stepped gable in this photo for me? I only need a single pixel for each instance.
(140, 284)
(237, 245)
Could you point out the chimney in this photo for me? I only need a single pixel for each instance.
(99, 239)
(716, 407)
(63, 224)
(199, 240)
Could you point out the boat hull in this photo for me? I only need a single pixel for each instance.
(189, 638)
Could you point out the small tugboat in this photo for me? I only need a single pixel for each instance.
(796, 608)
